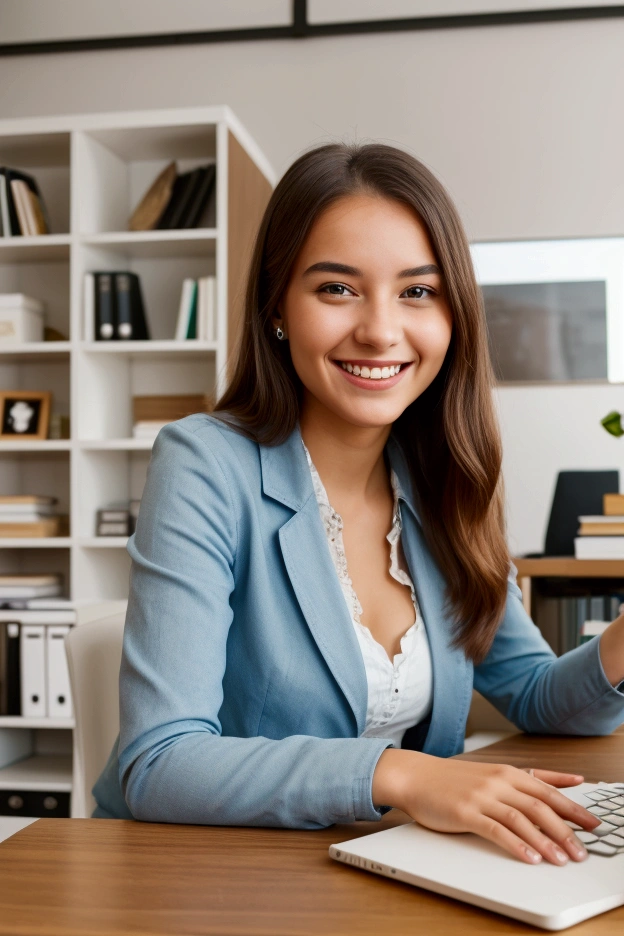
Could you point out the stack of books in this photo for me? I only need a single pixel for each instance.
(197, 317)
(151, 413)
(602, 537)
(113, 307)
(29, 591)
(177, 201)
(22, 209)
(117, 519)
(30, 515)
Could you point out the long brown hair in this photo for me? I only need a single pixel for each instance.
(449, 433)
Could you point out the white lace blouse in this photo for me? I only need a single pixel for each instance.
(399, 692)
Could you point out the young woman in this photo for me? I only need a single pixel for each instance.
(320, 574)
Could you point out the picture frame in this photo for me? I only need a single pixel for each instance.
(24, 414)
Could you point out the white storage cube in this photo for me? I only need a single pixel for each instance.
(21, 319)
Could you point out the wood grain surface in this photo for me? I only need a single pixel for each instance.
(95, 877)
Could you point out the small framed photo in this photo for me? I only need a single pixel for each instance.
(24, 414)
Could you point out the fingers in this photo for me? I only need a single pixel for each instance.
(559, 803)
(554, 777)
(540, 828)
(488, 828)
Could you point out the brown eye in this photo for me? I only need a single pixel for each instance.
(334, 289)
(418, 292)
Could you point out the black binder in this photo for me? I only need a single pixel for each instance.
(105, 311)
(10, 684)
(131, 322)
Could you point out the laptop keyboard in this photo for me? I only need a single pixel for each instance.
(606, 802)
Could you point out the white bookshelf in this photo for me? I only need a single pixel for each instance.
(93, 169)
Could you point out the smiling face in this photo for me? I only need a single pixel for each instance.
(365, 312)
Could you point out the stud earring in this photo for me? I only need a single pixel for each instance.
(279, 334)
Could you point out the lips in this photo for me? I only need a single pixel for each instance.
(373, 375)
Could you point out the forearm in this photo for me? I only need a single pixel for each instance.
(612, 651)
(297, 782)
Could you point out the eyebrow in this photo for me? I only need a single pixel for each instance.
(328, 266)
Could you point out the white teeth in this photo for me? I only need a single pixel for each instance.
(372, 373)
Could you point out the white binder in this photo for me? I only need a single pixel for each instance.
(59, 692)
(33, 670)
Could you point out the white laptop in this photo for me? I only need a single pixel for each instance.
(469, 868)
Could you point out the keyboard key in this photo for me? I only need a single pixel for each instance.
(598, 810)
(613, 839)
(618, 812)
(617, 818)
(587, 837)
(597, 795)
(599, 848)
(617, 800)
(604, 828)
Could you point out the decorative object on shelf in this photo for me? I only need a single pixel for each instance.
(53, 334)
(197, 317)
(21, 319)
(151, 207)
(612, 422)
(190, 200)
(24, 414)
(59, 426)
(22, 209)
(113, 307)
(113, 520)
(151, 413)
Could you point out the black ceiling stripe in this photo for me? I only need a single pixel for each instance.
(300, 28)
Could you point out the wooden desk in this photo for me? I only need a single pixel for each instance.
(82, 877)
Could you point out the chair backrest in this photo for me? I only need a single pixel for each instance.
(93, 658)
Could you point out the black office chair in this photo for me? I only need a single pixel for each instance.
(577, 493)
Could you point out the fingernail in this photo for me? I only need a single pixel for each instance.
(533, 856)
(561, 855)
(578, 850)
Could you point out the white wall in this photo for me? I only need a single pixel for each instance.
(523, 124)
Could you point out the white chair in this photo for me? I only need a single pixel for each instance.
(93, 650)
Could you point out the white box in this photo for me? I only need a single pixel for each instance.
(21, 319)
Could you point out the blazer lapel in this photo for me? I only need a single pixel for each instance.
(452, 672)
(286, 478)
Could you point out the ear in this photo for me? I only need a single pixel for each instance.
(277, 319)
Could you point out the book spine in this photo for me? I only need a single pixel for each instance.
(124, 306)
(104, 307)
(89, 307)
(4, 206)
(17, 193)
(140, 329)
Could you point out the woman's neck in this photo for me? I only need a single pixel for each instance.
(348, 458)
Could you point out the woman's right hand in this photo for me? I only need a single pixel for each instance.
(523, 814)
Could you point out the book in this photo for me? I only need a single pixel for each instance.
(601, 526)
(4, 206)
(19, 191)
(179, 185)
(592, 629)
(188, 296)
(29, 580)
(113, 529)
(201, 196)
(613, 505)
(169, 407)
(27, 499)
(51, 526)
(105, 311)
(131, 322)
(186, 198)
(599, 547)
(148, 429)
(206, 321)
(148, 212)
(14, 225)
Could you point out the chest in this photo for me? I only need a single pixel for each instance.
(387, 608)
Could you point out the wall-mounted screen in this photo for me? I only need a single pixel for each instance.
(554, 309)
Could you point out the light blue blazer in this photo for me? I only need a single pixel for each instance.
(242, 687)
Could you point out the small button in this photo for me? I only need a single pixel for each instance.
(396, 690)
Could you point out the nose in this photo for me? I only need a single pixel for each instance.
(379, 324)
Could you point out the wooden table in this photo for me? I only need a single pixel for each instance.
(94, 877)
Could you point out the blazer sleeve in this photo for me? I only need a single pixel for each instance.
(174, 763)
(540, 692)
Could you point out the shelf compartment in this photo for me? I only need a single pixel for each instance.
(46, 157)
(187, 242)
(51, 772)
(117, 166)
(107, 476)
(39, 271)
